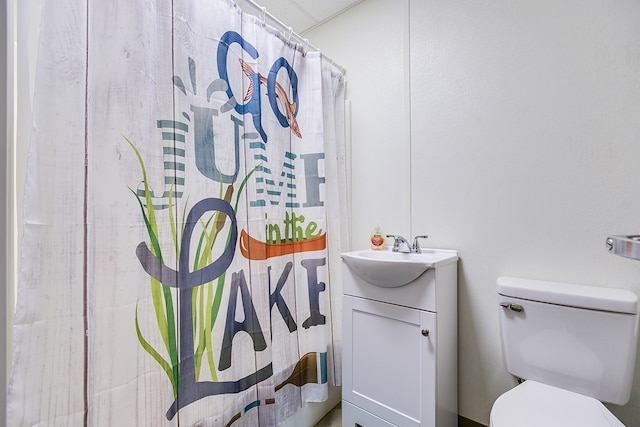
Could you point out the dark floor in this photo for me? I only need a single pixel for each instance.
(332, 419)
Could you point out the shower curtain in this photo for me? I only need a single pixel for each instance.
(185, 208)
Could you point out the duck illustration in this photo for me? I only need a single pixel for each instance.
(282, 97)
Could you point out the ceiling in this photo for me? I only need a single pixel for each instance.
(302, 15)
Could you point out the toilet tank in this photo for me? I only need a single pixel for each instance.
(575, 337)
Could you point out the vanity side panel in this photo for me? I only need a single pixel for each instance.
(447, 349)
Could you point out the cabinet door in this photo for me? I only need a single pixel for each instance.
(389, 361)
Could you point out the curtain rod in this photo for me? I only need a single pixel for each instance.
(290, 31)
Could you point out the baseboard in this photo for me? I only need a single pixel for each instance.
(465, 422)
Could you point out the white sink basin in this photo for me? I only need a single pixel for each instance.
(392, 269)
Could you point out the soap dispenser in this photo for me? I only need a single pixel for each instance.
(377, 240)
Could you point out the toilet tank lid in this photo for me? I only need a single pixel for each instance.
(571, 295)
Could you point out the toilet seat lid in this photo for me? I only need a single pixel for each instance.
(532, 404)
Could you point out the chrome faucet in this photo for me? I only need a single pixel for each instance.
(400, 244)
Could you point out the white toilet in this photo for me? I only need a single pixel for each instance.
(574, 345)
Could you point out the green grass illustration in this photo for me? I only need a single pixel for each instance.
(206, 299)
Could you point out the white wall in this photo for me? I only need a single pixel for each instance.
(372, 41)
(524, 146)
(4, 291)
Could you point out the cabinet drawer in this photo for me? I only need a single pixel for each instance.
(352, 416)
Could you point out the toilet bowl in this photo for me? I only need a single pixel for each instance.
(573, 345)
(533, 404)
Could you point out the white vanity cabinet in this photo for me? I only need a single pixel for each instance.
(400, 350)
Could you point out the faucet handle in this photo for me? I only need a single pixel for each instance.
(416, 246)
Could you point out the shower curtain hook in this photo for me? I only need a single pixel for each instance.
(264, 16)
(307, 48)
(290, 35)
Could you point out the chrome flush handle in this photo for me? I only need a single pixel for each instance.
(513, 307)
